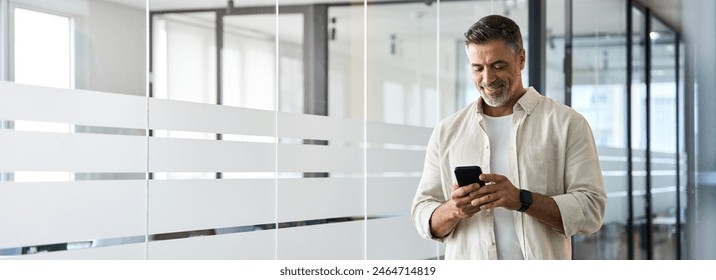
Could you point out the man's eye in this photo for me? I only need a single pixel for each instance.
(477, 69)
(499, 66)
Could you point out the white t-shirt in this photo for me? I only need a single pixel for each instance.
(498, 131)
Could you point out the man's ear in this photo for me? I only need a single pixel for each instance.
(523, 57)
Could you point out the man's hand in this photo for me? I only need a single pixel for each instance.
(500, 192)
(497, 192)
(460, 202)
(447, 216)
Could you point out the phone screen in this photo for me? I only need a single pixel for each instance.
(467, 175)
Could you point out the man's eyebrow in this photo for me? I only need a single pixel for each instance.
(493, 63)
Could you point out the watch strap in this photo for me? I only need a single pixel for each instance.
(525, 199)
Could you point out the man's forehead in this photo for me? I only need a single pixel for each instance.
(493, 51)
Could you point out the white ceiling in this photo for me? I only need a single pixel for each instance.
(668, 10)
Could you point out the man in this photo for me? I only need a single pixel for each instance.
(542, 173)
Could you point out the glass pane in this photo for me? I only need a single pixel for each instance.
(599, 94)
(93, 44)
(638, 133)
(663, 138)
(402, 90)
(555, 51)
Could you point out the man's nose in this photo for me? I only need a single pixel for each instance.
(488, 76)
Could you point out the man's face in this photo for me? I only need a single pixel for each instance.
(496, 71)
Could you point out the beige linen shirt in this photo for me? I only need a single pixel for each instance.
(552, 152)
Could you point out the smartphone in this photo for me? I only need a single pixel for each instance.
(467, 175)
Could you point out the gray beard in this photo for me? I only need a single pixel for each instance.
(498, 100)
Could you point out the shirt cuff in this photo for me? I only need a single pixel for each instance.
(423, 222)
(571, 211)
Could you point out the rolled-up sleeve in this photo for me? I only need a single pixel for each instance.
(584, 202)
(429, 195)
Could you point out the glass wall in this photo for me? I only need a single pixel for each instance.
(616, 68)
(94, 45)
(663, 137)
(298, 131)
(73, 129)
(599, 94)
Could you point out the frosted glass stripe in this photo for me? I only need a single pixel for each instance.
(398, 134)
(390, 196)
(36, 151)
(318, 198)
(123, 252)
(396, 239)
(82, 107)
(613, 165)
(318, 158)
(183, 205)
(387, 160)
(304, 126)
(336, 241)
(612, 151)
(256, 245)
(49, 213)
(185, 155)
(199, 117)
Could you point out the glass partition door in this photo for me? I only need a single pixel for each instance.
(663, 137)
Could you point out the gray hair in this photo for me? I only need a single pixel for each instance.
(495, 27)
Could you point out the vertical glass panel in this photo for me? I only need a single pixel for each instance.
(555, 51)
(323, 164)
(225, 59)
(638, 133)
(56, 47)
(402, 90)
(599, 94)
(90, 44)
(663, 139)
(346, 102)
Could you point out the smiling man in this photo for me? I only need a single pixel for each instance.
(542, 173)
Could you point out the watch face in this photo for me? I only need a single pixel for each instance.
(526, 197)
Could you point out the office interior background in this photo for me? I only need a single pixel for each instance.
(296, 129)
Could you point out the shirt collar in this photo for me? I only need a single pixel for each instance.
(528, 102)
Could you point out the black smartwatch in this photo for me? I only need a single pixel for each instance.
(526, 199)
